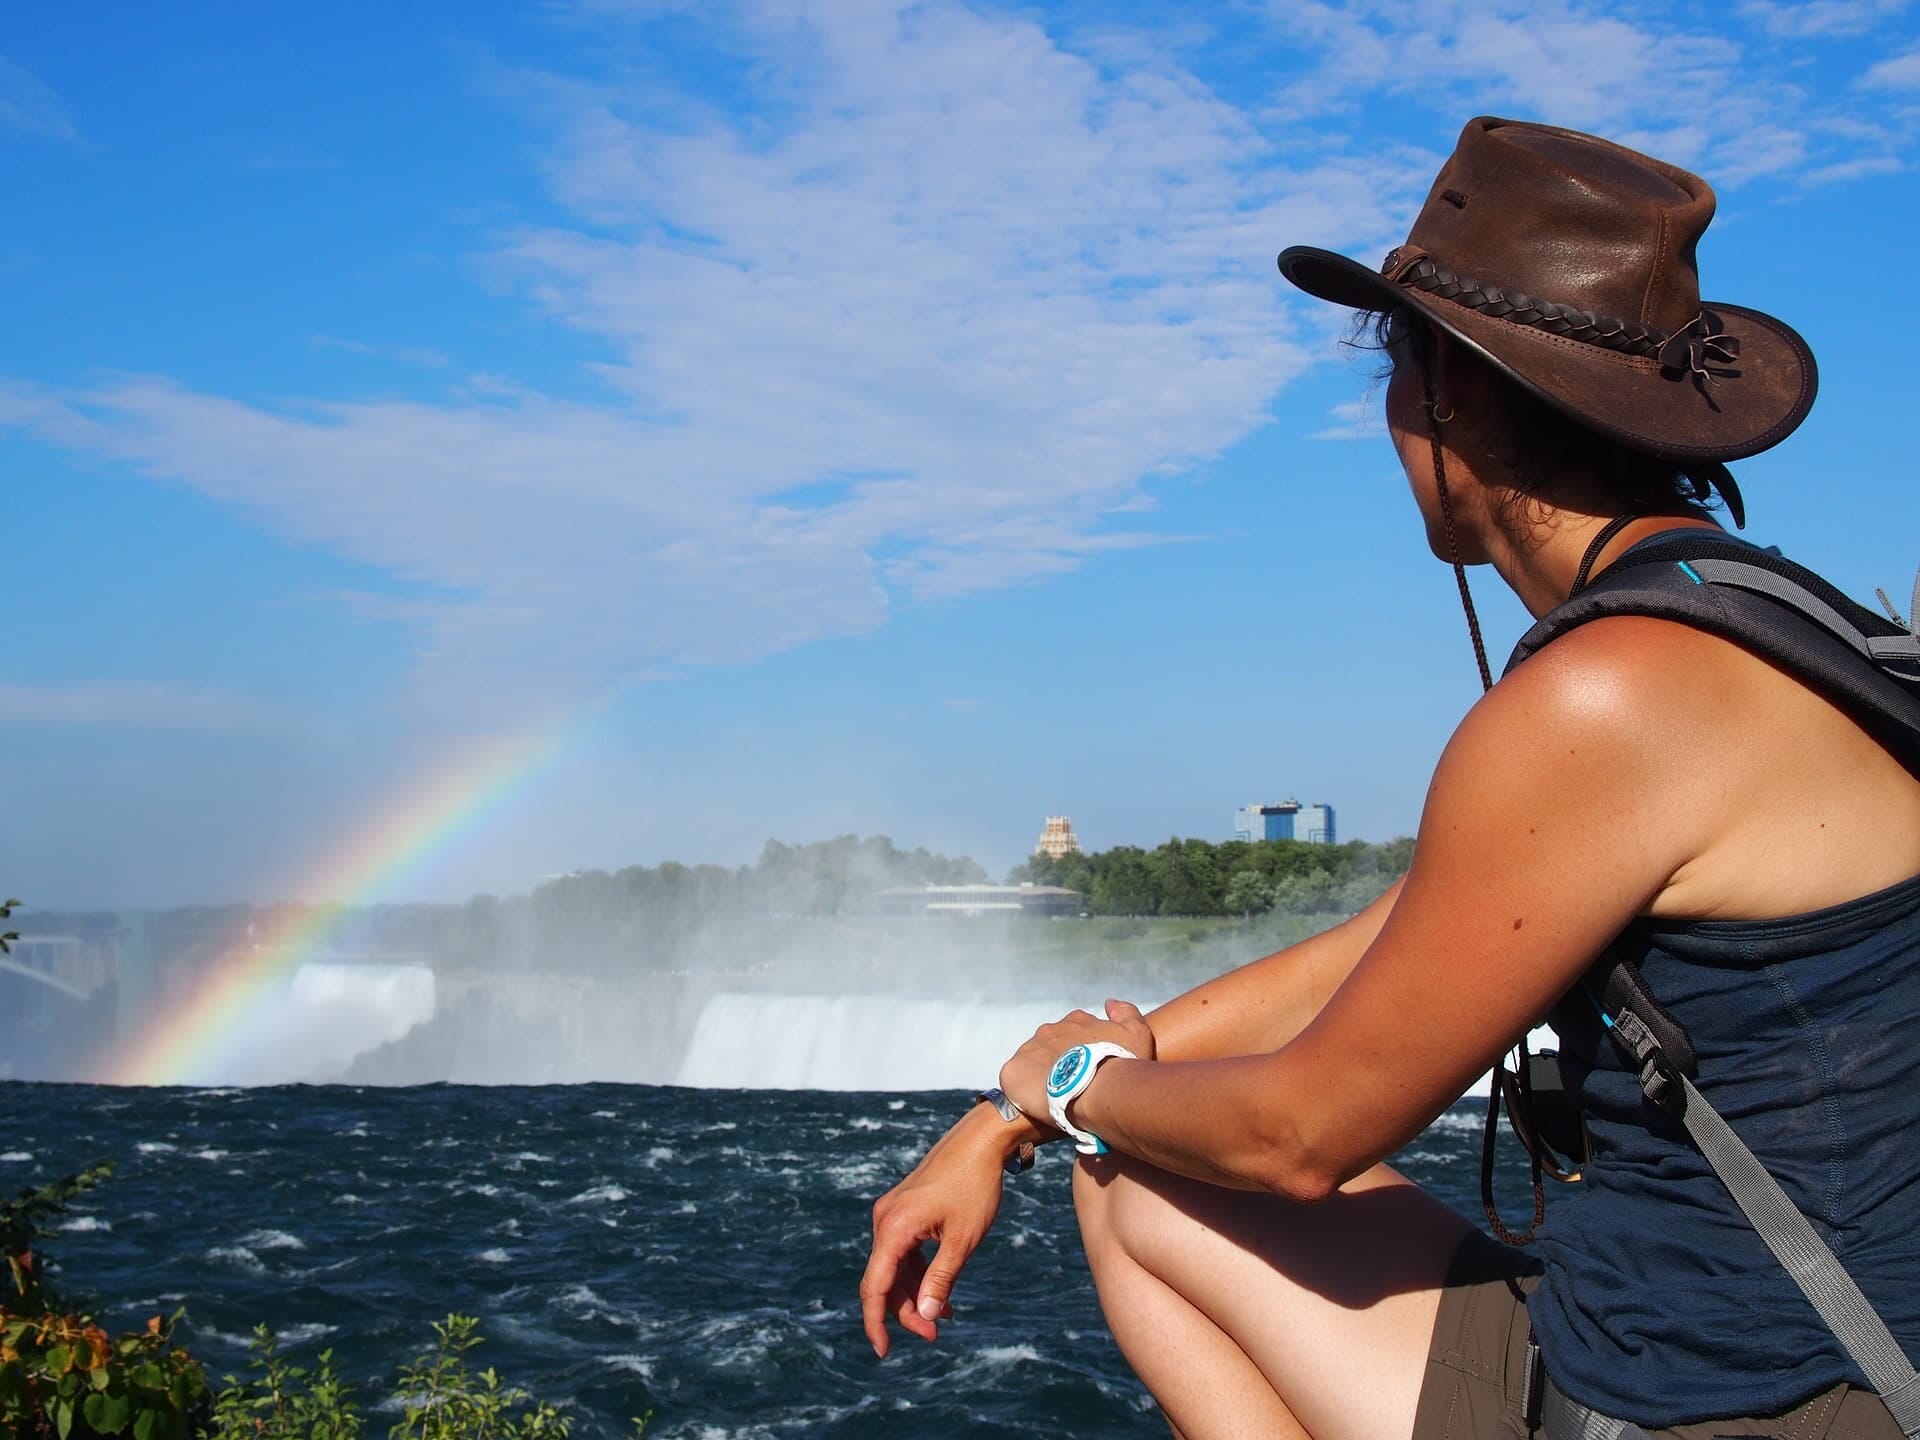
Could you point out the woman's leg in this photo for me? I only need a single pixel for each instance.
(1246, 1314)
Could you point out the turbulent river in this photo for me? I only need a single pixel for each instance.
(627, 1248)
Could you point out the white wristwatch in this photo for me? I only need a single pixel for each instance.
(1071, 1074)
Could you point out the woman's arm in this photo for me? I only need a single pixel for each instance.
(1265, 1003)
(953, 1194)
(1564, 804)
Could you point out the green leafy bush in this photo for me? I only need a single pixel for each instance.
(284, 1401)
(62, 1377)
(446, 1400)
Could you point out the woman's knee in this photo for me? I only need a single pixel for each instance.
(1093, 1200)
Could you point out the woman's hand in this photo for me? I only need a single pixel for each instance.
(950, 1197)
(1024, 1077)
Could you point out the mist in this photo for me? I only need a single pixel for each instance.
(816, 968)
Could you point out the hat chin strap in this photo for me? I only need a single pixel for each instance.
(1446, 520)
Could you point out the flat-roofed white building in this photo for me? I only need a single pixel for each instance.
(965, 901)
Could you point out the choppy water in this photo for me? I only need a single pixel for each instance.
(627, 1248)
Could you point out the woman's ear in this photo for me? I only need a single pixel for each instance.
(1462, 382)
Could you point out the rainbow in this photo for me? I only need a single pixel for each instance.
(190, 1036)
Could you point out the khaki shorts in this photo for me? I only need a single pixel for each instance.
(1478, 1362)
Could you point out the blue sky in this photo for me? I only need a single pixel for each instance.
(832, 417)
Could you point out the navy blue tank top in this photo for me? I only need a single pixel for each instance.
(1659, 1304)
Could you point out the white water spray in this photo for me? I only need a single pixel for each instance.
(856, 1042)
(324, 1016)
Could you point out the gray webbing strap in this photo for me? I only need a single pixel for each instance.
(1820, 1276)
(1563, 1418)
(1877, 648)
(1765, 582)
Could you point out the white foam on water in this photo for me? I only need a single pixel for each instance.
(605, 1115)
(237, 1255)
(599, 1195)
(633, 1364)
(16, 1157)
(207, 1154)
(272, 1240)
(155, 1147)
(495, 1256)
(855, 1042)
(301, 1334)
(901, 1105)
(83, 1225)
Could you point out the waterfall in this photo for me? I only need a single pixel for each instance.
(856, 1042)
(749, 1041)
(324, 1016)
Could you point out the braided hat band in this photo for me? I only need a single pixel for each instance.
(1701, 348)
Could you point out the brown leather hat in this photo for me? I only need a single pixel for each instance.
(1567, 262)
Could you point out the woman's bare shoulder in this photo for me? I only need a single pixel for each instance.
(1768, 799)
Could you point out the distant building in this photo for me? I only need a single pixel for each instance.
(1265, 822)
(1289, 820)
(1058, 838)
(1315, 823)
(969, 900)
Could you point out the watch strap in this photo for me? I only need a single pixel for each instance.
(1071, 1074)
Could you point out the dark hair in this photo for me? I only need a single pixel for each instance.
(1544, 445)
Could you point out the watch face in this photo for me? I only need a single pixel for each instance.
(1067, 1070)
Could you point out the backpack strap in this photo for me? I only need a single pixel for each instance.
(1863, 662)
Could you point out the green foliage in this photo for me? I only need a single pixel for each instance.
(446, 1400)
(21, 1220)
(1200, 878)
(442, 1397)
(62, 1377)
(284, 1401)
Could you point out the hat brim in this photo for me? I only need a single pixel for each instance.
(1628, 398)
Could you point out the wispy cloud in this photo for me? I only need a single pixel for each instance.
(1899, 72)
(139, 707)
(1692, 91)
(1812, 19)
(1853, 170)
(29, 107)
(930, 318)
(1353, 420)
(405, 354)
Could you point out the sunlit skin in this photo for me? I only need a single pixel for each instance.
(1262, 1270)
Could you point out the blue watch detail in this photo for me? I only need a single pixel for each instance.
(1067, 1070)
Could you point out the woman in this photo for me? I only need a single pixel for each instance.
(1639, 788)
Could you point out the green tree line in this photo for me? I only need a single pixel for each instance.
(1235, 877)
